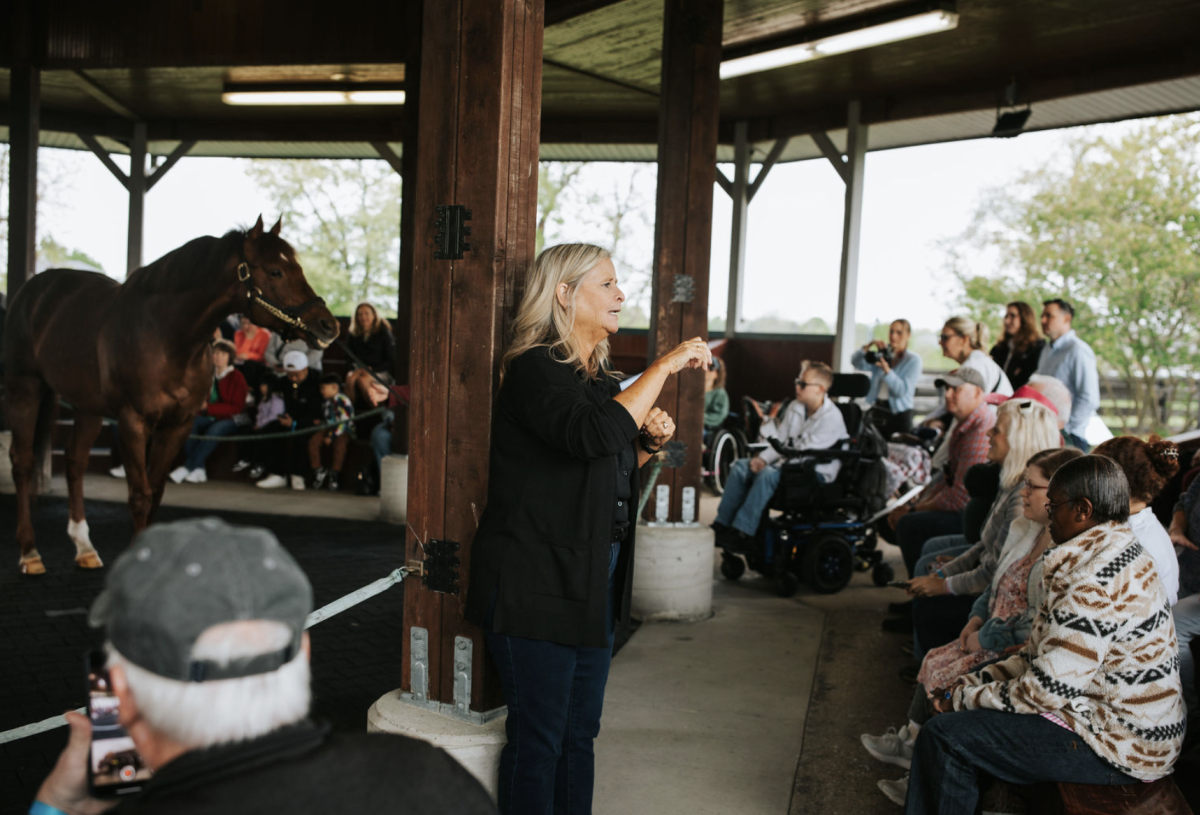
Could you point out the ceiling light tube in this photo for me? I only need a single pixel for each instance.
(904, 28)
(298, 95)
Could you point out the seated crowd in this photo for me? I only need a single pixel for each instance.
(272, 391)
(1045, 592)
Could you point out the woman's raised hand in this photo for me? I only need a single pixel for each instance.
(659, 427)
(691, 354)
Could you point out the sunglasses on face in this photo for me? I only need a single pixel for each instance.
(800, 383)
(945, 338)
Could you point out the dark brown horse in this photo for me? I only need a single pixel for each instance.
(138, 351)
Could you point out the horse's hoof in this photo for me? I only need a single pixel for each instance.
(90, 560)
(32, 566)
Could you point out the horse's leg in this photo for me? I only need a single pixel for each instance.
(87, 428)
(24, 400)
(134, 437)
(163, 450)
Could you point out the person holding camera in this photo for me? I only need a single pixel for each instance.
(894, 373)
(552, 563)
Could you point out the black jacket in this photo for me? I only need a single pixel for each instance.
(543, 541)
(1022, 364)
(305, 768)
(303, 401)
(377, 352)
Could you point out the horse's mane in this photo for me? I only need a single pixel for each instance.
(199, 261)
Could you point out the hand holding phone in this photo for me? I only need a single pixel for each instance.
(114, 765)
(66, 787)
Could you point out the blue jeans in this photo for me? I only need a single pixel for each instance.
(746, 496)
(942, 545)
(954, 749)
(1187, 627)
(381, 440)
(555, 695)
(195, 451)
(916, 528)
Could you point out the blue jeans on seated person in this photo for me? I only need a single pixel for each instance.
(942, 545)
(916, 529)
(954, 749)
(381, 439)
(746, 496)
(555, 695)
(196, 451)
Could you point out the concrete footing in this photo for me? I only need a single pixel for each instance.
(7, 486)
(476, 747)
(672, 573)
(393, 489)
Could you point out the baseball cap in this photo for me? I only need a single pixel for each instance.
(962, 376)
(178, 580)
(1023, 392)
(295, 361)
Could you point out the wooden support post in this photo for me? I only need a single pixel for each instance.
(137, 197)
(478, 119)
(856, 149)
(687, 163)
(23, 131)
(740, 193)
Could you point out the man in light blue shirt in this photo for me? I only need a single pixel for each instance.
(1071, 361)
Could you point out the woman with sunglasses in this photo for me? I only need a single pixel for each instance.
(1094, 695)
(1000, 619)
(962, 341)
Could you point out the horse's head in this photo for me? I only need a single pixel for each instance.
(278, 296)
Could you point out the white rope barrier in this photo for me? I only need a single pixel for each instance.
(320, 615)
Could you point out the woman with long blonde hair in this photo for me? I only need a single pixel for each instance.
(374, 361)
(551, 565)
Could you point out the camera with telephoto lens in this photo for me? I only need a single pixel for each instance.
(875, 354)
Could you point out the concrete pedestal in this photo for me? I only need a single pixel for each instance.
(7, 486)
(672, 573)
(393, 489)
(476, 747)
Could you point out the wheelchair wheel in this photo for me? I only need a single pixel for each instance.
(828, 563)
(882, 574)
(724, 452)
(732, 566)
(786, 583)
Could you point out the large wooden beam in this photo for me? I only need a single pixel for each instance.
(22, 190)
(687, 159)
(477, 142)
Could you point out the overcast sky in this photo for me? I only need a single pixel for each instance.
(914, 197)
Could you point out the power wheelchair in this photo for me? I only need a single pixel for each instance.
(815, 532)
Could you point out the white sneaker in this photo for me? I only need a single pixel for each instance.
(241, 465)
(197, 476)
(118, 471)
(298, 482)
(892, 747)
(178, 474)
(896, 791)
(272, 482)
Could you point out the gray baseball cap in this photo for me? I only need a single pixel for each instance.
(962, 376)
(179, 579)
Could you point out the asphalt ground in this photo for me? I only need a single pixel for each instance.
(44, 633)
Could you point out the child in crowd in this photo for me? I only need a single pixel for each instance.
(336, 407)
(270, 408)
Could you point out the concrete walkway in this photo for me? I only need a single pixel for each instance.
(709, 717)
(235, 496)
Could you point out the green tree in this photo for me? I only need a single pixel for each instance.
(343, 217)
(1114, 229)
(555, 180)
(57, 255)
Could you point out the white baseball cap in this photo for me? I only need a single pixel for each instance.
(295, 361)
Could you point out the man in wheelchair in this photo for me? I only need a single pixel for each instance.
(811, 422)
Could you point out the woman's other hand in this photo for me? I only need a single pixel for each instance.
(1181, 539)
(972, 626)
(927, 586)
(691, 354)
(757, 464)
(659, 427)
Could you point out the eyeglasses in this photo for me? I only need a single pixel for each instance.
(1052, 506)
(1033, 487)
(802, 384)
(945, 338)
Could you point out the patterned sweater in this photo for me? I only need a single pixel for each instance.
(1102, 655)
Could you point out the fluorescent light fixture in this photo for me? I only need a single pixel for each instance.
(297, 95)
(905, 28)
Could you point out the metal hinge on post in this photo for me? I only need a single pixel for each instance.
(441, 567)
(464, 650)
(418, 660)
(452, 231)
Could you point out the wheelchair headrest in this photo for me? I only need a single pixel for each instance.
(852, 385)
(852, 415)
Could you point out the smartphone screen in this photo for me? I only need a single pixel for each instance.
(114, 765)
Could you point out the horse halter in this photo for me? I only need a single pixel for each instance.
(289, 315)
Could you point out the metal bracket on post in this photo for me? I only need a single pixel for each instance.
(688, 513)
(683, 288)
(452, 231)
(463, 653)
(441, 567)
(662, 505)
(418, 659)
